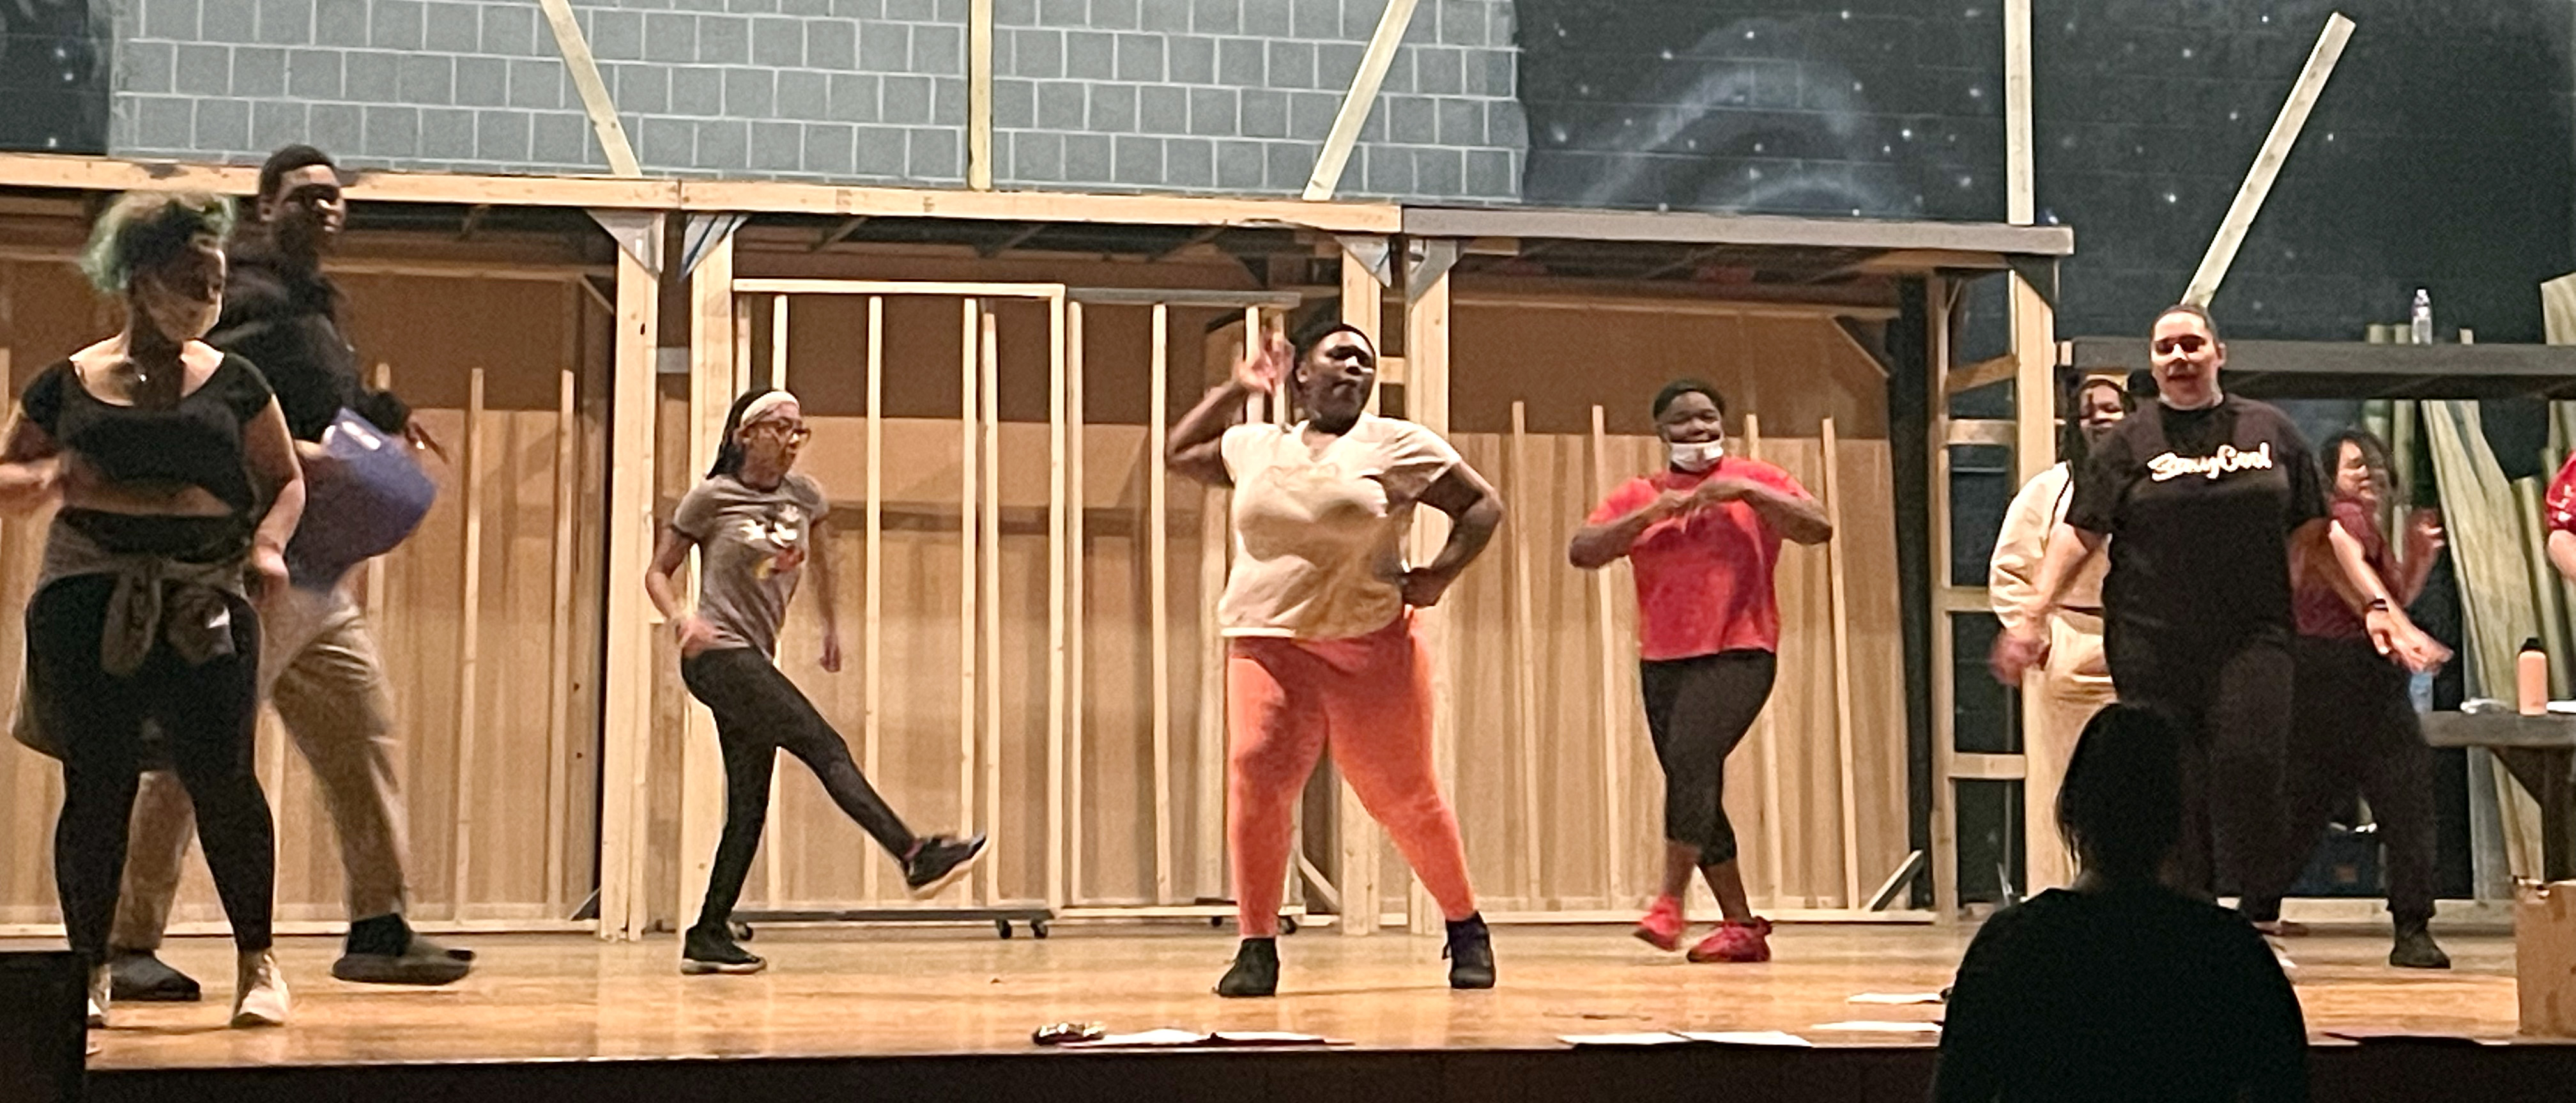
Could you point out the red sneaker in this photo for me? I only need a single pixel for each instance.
(1733, 941)
(1664, 924)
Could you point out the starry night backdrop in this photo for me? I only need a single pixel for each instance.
(54, 75)
(2440, 156)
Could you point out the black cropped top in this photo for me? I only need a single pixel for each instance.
(197, 443)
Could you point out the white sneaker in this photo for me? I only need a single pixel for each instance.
(259, 995)
(100, 986)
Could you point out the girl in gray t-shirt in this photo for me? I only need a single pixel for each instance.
(757, 524)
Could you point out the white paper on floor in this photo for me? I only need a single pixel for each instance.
(1896, 998)
(1642, 1038)
(1880, 1026)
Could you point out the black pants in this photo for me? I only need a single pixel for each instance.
(1698, 709)
(759, 713)
(2353, 728)
(2231, 698)
(208, 717)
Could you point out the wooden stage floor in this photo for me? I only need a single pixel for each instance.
(887, 992)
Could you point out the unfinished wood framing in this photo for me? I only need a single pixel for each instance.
(1525, 674)
(872, 726)
(1938, 295)
(1374, 61)
(1766, 737)
(979, 94)
(716, 367)
(1158, 589)
(567, 504)
(1060, 572)
(626, 698)
(1847, 778)
(970, 425)
(1426, 396)
(1362, 842)
(1614, 740)
(990, 424)
(469, 659)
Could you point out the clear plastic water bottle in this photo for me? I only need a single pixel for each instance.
(2423, 317)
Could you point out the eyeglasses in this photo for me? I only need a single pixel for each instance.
(2186, 344)
(796, 434)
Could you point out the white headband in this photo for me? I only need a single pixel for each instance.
(761, 406)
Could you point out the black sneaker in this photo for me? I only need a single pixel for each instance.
(1470, 953)
(937, 861)
(2415, 949)
(1255, 971)
(138, 977)
(714, 951)
(422, 962)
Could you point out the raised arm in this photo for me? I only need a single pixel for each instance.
(1474, 510)
(1193, 447)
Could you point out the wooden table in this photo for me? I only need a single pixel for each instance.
(2540, 752)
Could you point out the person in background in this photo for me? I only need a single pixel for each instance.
(2558, 515)
(178, 488)
(756, 524)
(2216, 505)
(1317, 612)
(1704, 536)
(323, 670)
(2121, 988)
(2353, 725)
(2074, 683)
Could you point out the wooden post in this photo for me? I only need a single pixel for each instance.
(1842, 672)
(1525, 663)
(1361, 841)
(1214, 529)
(1077, 655)
(559, 642)
(979, 94)
(1945, 827)
(378, 614)
(1426, 398)
(777, 343)
(627, 684)
(469, 631)
(773, 856)
(714, 366)
(991, 547)
(1775, 846)
(1614, 743)
(970, 376)
(872, 731)
(1158, 590)
(741, 337)
(1059, 472)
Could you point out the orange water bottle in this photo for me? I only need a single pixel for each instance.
(2531, 679)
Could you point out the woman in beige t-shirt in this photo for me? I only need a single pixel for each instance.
(1317, 612)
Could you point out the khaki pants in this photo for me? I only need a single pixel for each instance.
(318, 665)
(2064, 696)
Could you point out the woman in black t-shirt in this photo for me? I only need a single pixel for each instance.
(179, 488)
(2215, 502)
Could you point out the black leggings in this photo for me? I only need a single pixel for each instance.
(2232, 701)
(2353, 728)
(208, 718)
(1697, 710)
(759, 713)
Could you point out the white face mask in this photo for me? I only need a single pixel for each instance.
(1696, 456)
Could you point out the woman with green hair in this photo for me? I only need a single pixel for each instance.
(178, 488)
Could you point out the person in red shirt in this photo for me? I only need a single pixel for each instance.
(1703, 536)
(2558, 516)
(2352, 720)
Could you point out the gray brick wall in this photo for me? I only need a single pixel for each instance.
(1182, 95)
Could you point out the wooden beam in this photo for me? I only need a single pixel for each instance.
(1374, 61)
(473, 221)
(1588, 224)
(778, 342)
(2018, 173)
(1775, 845)
(712, 360)
(469, 636)
(970, 468)
(1525, 745)
(1362, 842)
(1937, 298)
(559, 642)
(595, 101)
(1158, 588)
(872, 730)
(1426, 398)
(109, 174)
(627, 686)
(1838, 595)
(838, 234)
(990, 422)
(901, 287)
(1614, 741)
(979, 94)
(1961, 380)
(2268, 160)
(1010, 241)
(1063, 561)
(2034, 352)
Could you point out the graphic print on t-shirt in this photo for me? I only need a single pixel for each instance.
(782, 535)
(2226, 461)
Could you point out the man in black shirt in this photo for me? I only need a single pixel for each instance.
(2214, 500)
(318, 660)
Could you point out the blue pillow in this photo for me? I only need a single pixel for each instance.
(361, 505)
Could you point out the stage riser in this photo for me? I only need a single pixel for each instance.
(2343, 1074)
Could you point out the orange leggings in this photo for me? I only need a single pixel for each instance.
(1370, 698)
